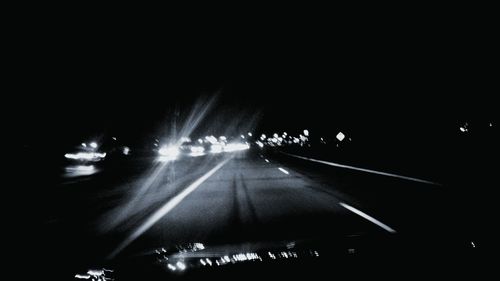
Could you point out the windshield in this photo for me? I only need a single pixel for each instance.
(131, 154)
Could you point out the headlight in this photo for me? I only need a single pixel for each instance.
(197, 149)
(85, 156)
(169, 151)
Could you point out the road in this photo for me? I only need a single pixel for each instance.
(227, 198)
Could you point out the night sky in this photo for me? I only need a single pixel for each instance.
(66, 87)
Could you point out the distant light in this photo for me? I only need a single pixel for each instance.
(249, 134)
(169, 151)
(185, 139)
(340, 136)
(200, 140)
(242, 136)
(171, 267)
(275, 135)
(84, 144)
(463, 130)
(216, 148)
(197, 149)
(155, 144)
(198, 246)
(114, 138)
(306, 133)
(284, 133)
(263, 137)
(93, 144)
(473, 245)
(85, 156)
(260, 144)
(236, 147)
(222, 138)
(181, 265)
(203, 262)
(211, 139)
(126, 150)
(491, 124)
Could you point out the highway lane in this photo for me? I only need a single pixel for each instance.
(249, 199)
(231, 198)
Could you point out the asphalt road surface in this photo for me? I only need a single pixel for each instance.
(227, 198)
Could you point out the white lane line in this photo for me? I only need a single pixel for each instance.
(166, 208)
(367, 217)
(363, 170)
(283, 170)
(267, 161)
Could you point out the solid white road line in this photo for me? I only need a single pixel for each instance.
(367, 217)
(284, 171)
(362, 169)
(166, 208)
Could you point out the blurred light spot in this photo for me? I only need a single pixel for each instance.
(181, 265)
(80, 170)
(126, 150)
(306, 133)
(275, 135)
(171, 267)
(249, 134)
(211, 139)
(198, 246)
(200, 141)
(209, 261)
(114, 138)
(197, 149)
(340, 136)
(85, 156)
(203, 262)
(463, 130)
(267, 161)
(473, 245)
(260, 144)
(93, 144)
(230, 147)
(242, 136)
(216, 148)
(84, 144)
(169, 151)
